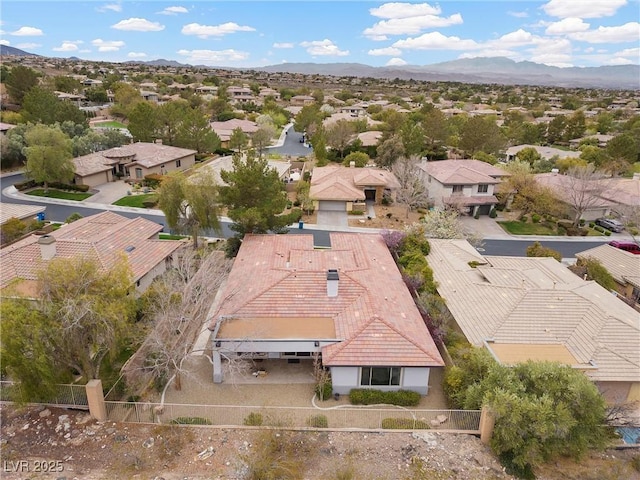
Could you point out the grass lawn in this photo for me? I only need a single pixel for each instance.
(518, 228)
(78, 196)
(136, 200)
(167, 236)
(110, 124)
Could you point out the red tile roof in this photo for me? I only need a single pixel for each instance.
(376, 319)
(101, 237)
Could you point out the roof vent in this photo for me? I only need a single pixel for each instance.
(129, 249)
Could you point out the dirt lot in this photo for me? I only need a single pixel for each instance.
(387, 217)
(39, 443)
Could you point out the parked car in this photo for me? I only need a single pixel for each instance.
(610, 224)
(627, 246)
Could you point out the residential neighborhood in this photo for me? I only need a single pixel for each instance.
(186, 205)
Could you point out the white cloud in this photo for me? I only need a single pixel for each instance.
(436, 41)
(213, 57)
(514, 39)
(618, 61)
(582, 8)
(205, 31)
(396, 62)
(390, 51)
(553, 59)
(492, 52)
(25, 46)
(66, 47)
(283, 45)
(629, 32)
(567, 25)
(138, 25)
(136, 55)
(106, 45)
(523, 14)
(4, 42)
(629, 52)
(410, 25)
(114, 7)
(404, 10)
(27, 32)
(324, 48)
(173, 11)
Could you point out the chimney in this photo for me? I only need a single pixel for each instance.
(47, 247)
(158, 141)
(352, 164)
(332, 283)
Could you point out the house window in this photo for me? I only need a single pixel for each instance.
(138, 173)
(457, 188)
(380, 376)
(483, 188)
(178, 163)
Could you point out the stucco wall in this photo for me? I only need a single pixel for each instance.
(413, 378)
(95, 179)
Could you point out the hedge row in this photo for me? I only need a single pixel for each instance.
(28, 184)
(366, 396)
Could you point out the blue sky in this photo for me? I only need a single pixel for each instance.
(242, 33)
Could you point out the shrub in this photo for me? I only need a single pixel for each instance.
(607, 233)
(318, 421)
(493, 213)
(191, 421)
(306, 176)
(73, 217)
(591, 224)
(404, 424)
(26, 184)
(232, 246)
(386, 200)
(254, 419)
(537, 250)
(69, 186)
(356, 212)
(296, 203)
(477, 215)
(474, 263)
(523, 218)
(535, 218)
(149, 203)
(367, 396)
(324, 390)
(152, 180)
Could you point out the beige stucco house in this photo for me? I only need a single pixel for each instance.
(286, 300)
(522, 308)
(131, 161)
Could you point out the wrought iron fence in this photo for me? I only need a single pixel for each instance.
(346, 417)
(66, 395)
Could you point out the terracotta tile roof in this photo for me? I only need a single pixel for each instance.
(146, 154)
(518, 300)
(463, 172)
(225, 129)
(16, 210)
(560, 184)
(342, 183)
(375, 317)
(101, 237)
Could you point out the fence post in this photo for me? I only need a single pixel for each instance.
(95, 399)
(487, 422)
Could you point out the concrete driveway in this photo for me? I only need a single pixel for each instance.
(334, 218)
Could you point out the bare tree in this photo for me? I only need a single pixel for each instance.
(339, 135)
(445, 223)
(178, 305)
(413, 192)
(583, 187)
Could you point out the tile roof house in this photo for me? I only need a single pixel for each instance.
(623, 266)
(545, 152)
(226, 163)
(469, 184)
(134, 160)
(102, 237)
(338, 188)
(536, 309)
(285, 299)
(224, 130)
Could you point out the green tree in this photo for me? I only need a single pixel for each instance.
(307, 117)
(538, 250)
(261, 138)
(195, 132)
(19, 81)
(62, 83)
(623, 150)
(389, 151)
(255, 197)
(96, 95)
(40, 106)
(26, 351)
(190, 203)
(480, 133)
(597, 273)
(413, 138)
(12, 229)
(529, 155)
(359, 159)
(49, 155)
(91, 309)
(143, 122)
(339, 135)
(169, 117)
(238, 140)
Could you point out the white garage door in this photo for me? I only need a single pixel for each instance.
(333, 206)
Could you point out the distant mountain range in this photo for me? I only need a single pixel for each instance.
(488, 70)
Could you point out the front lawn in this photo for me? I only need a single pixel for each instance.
(111, 124)
(51, 193)
(137, 201)
(515, 227)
